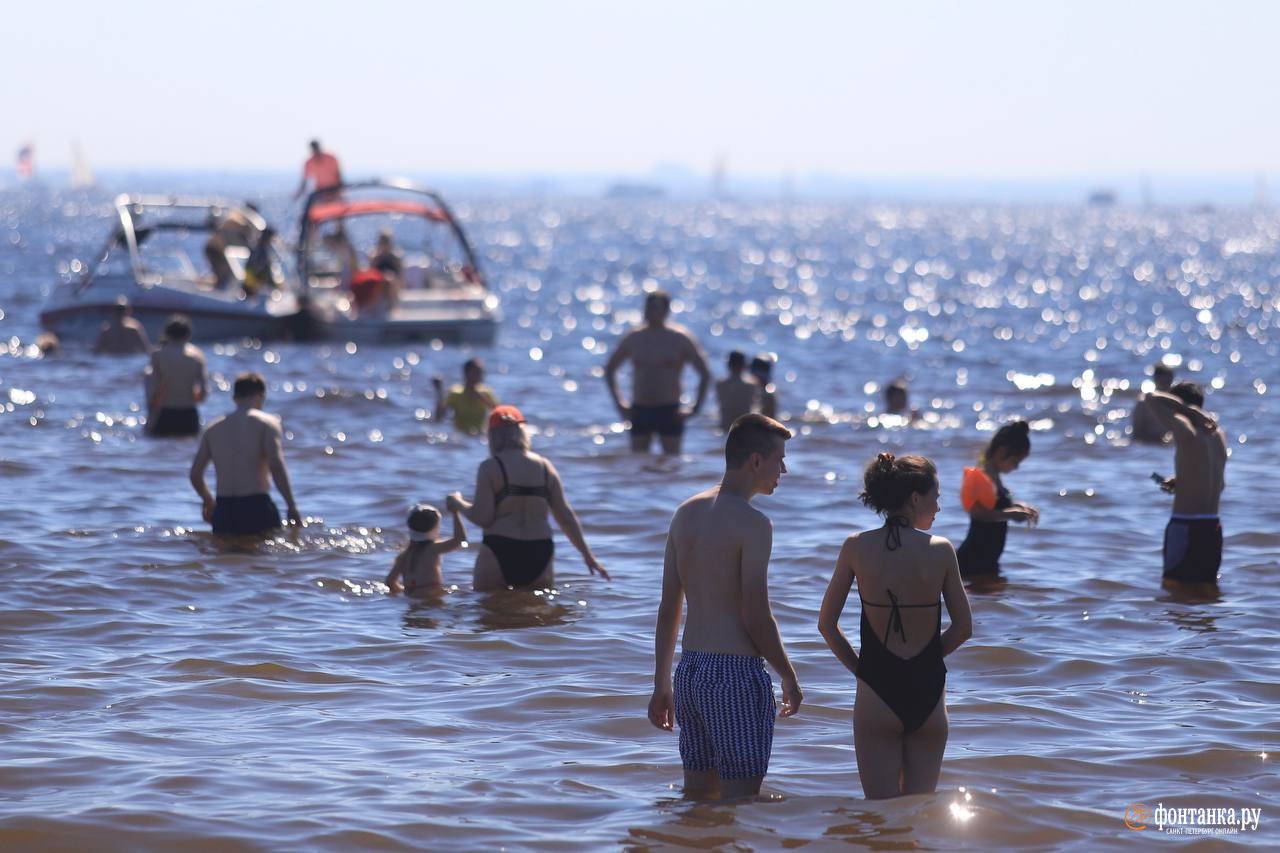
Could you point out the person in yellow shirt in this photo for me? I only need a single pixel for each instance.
(471, 401)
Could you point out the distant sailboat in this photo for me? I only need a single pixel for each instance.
(81, 174)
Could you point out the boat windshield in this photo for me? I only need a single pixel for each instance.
(406, 233)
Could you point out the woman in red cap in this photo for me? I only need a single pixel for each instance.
(516, 491)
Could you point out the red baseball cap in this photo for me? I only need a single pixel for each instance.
(505, 415)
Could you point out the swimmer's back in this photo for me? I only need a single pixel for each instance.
(711, 535)
(241, 445)
(914, 573)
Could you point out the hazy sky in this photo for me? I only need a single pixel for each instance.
(886, 89)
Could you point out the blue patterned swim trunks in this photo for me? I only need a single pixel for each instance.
(725, 710)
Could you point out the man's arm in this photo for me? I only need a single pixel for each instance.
(833, 605)
(201, 390)
(620, 354)
(279, 473)
(198, 465)
(757, 614)
(699, 362)
(662, 712)
(1166, 407)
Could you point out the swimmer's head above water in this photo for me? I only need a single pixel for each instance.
(904, 486)
(423, 521)
(506, 430)
(1009, 446)
(755, 446)
(1189, 393)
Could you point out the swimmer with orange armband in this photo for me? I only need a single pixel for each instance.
(989, 504)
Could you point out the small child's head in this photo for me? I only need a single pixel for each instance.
(424, 521)
(1189, 393)
(903, 485)
(1009, 446)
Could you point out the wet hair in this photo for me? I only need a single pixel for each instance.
(737, 360)
(889, 481)
(752, 433)
(423, 518)
(508, 436)
(1014, 437)
(248, 385)
(1188, 392)
(178, 328)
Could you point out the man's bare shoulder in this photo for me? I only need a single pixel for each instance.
(216, 425)
(265, 419)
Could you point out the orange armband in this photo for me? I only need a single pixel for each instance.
(977, 489)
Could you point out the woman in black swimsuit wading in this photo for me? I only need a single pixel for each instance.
(899, 713)
(516, 490)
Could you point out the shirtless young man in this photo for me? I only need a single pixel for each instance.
(176, 381)
(737, 393)
(658, 352)
(122, 335)
(718, 558)
(244, 447)
(1193, 537)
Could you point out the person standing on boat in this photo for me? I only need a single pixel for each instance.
(321, 170)
(658, 352)
(470, 402)
(244, 447)
(176, 381)
(122, 335)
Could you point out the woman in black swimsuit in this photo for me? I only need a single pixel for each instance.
(899, 712)
(516, 491)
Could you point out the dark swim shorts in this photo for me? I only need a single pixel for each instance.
(171, 423)
(725, 710)
(1193, 549)
(664, 420)
(244, 515)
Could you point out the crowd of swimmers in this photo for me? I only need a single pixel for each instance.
(720, 695)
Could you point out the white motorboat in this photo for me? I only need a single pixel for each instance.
(385, 262)
(161, 255)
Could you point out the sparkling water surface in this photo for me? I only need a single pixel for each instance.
(163, 691)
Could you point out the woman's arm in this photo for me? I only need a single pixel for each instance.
(568, 521)
(481, 512)
(833, 605)
(953, 595)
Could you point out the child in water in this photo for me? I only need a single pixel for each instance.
(989, 504)
(417, 567)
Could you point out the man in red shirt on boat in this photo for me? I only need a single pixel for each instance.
(321, 170)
